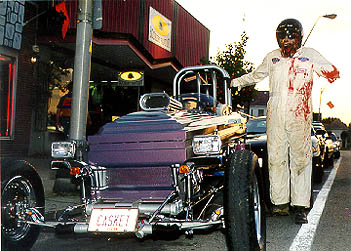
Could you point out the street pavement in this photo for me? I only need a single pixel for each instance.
(334, 229)
(331, 233)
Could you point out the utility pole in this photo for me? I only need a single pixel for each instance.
(81, 76)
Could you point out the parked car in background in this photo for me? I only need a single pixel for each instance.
(318, 125)
(323, 136)
(336, 145)
(318, 157)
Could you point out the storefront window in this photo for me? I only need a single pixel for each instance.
(7, 75)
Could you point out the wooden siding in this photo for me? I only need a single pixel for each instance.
(192, 39)
(118, 16)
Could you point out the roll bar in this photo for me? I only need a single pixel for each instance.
(213, 69)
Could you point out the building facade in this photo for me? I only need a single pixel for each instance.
(154, 37)
(17, 76)
(258, 106)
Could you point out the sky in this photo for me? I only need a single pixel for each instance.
(227, 19)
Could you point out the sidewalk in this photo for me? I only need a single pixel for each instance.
(42, 164)
(53, 201)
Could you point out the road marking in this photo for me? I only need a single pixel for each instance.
(304, 238)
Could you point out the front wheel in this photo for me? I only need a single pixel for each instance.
(245, 219)
(21, 189)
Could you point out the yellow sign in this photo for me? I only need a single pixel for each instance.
(131, 75)
(130, 78)
(160, 30)
(160, 25)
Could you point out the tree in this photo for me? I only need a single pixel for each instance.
(330, 120)
(57, 73)
(232, 60)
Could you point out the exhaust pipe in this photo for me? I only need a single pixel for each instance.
(172, 230)
(158, 230)
(75, 228)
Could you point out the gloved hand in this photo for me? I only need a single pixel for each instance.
(331, 80)
(235, 83)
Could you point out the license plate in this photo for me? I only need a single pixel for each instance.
(113, 220)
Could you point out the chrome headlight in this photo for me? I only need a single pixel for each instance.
(64, 149)
(207, 144)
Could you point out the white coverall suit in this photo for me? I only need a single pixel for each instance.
(289, 119)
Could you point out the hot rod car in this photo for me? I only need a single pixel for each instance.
(180, 165)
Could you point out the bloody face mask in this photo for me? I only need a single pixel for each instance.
(288, 47)
(288, 44)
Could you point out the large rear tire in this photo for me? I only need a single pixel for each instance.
(21, 188)
(245, 219)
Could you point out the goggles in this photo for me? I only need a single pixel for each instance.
(283, 35)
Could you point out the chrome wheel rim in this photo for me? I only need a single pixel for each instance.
(257, 212)
(17, 196)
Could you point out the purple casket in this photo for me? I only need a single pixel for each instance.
(137, 150)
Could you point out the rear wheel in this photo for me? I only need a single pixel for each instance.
(21, 189)
(244, 212)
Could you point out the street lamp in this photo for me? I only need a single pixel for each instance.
(330, 16)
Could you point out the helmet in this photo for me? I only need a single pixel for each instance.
(292, 29)
(288, 27)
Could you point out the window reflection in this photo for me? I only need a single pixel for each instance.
(7, 73)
